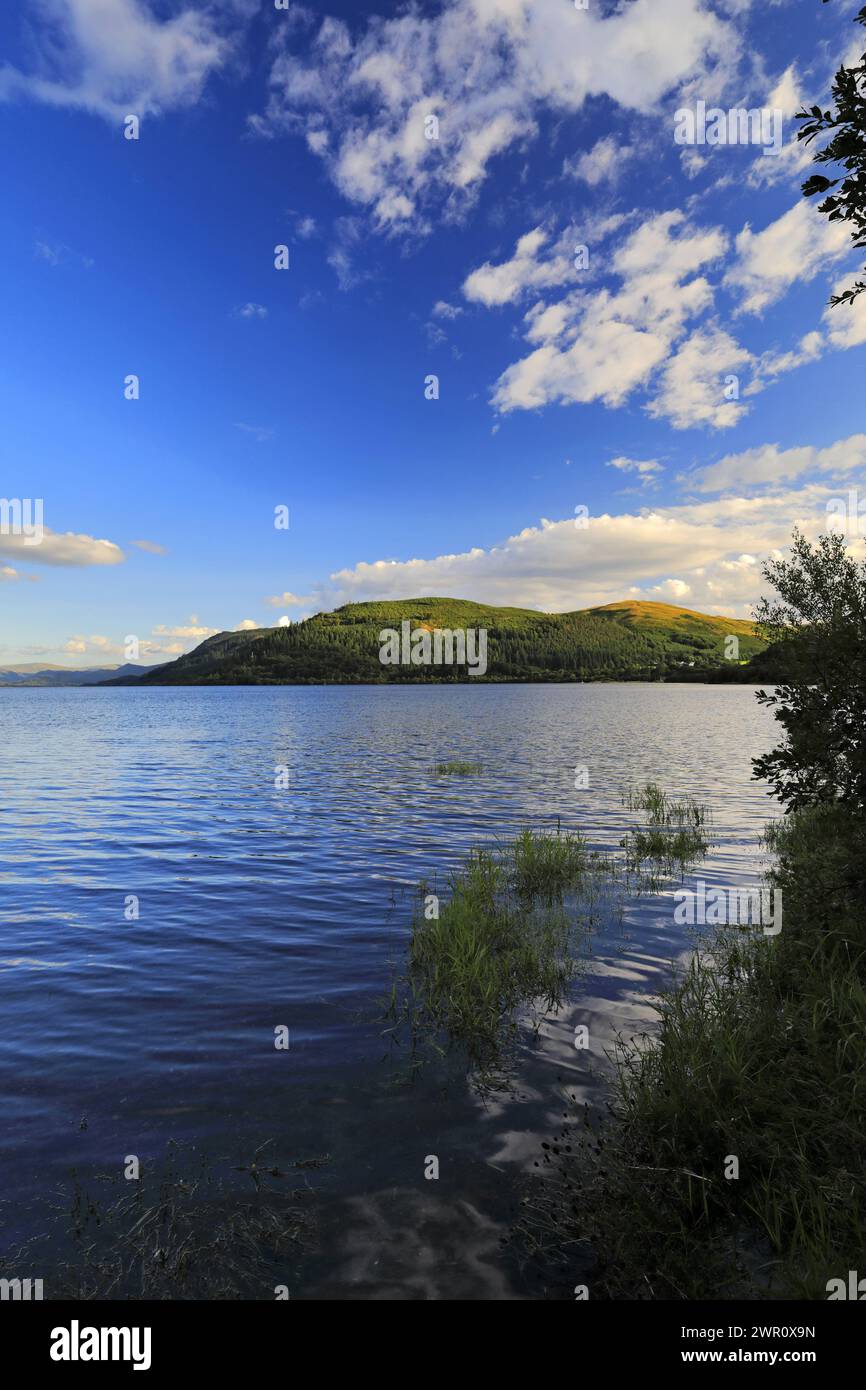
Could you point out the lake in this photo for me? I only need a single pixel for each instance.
(270, 898)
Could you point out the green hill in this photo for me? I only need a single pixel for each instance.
(619, 641)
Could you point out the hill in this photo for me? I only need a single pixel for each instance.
(618, 641)
(32, 674)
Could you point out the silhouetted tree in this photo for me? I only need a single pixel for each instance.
(847, 148)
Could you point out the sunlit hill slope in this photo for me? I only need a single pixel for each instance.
(619, 641)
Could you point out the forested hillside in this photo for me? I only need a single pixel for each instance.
(621, 641)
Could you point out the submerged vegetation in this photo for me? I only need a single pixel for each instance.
(189, 1227)
(502, 944)
(456, 769)
(673, 835)
(503, 947)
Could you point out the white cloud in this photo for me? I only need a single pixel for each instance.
(604, 163)
(846, 323)
(247, 625)
(260, 433)
(506, 282)
(105, 651)
(712, 547)
(770, 465)
(645, 468)
(773, 364)
(692, 161)
(152, 547)
(289, 600)
(443, 310)
(192, 629)
(115, 57)
(97, 644)
(792, 249)
(675, 589)
(485, 69)
(62, 549)
(605, 345)
(252, 311)
(659, 331)
(787, 95)
(693, 382)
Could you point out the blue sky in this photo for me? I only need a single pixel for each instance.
(560, 385)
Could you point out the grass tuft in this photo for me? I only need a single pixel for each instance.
(501, 948)
(673, 835)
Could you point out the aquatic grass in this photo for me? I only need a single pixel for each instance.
(190, 1228)
(502, 945)
(661, 810)
(456, 768)
(544, 866)
(760, 1056)
(672, 837)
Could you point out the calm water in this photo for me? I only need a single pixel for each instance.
(260, 907)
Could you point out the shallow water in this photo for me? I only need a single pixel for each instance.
(261, 906)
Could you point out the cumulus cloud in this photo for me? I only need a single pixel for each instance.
(106, 651)
(794, 248)
(289, 600)
(675, 589)
(604, 163)
(770, 465)
(484, 70)
(526, 270)
(694, 380)
(192, 629)
(711, 547)
(96, 645)
(115, 57)
(659, 331)
(605, 345)
(846, 323)
(57, 548)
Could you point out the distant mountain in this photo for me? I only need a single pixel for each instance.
(618, 641)
(33, 674)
